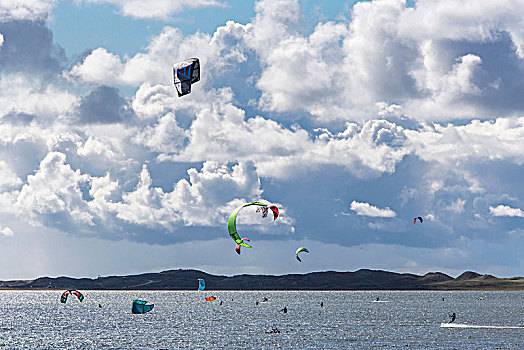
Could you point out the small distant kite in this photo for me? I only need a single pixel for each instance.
(301, 249)
(79, 295)
(141, 307)
(201, 284)
(186, 73)
(210, 298)
(419, 218)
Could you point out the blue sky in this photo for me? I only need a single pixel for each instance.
(352, 117)
(127, 36)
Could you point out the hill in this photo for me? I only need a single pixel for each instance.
(363, 279)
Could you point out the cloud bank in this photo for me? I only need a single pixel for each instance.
(418, 109)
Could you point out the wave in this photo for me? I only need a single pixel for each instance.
(462, 325)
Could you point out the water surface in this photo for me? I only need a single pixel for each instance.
(348, 320)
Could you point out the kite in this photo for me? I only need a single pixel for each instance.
(419, 218)
(186, 73)
(201, 284)
(141, 307)
(301, 249)
(79, 295)
(232, 225)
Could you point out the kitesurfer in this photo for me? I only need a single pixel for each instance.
(256, 303)
(321, 304)
(377, 299)
(453, 316)
(99, 305)
(272, 331)
(284, 310)
(221, 302)
(264, 300)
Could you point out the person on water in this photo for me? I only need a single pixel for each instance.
(453, 317)
(284, 310)
(273, 331)
(265, 300)
(377, 299)
(321, 304)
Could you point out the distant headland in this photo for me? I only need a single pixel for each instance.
(363, 279)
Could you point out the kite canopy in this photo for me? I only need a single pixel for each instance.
(274, 209)
(79, 295)
(232, 223)
(141, 307)
(419, 218)
(186, 73)
(201, 284)
(301, 249)
(210, 298)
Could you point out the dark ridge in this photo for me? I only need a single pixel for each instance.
(436, 277)
(468, 275)
(363, 279)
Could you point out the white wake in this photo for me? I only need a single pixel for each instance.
(462, 325)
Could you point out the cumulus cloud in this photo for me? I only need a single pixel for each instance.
(53, 190)
(366, 209)
(8, 178)
(25, 9)
(505, 210)
(193, 201)
(162, 9)
(346, 70)
(363, 108)
(6, 231)
(28, 47)
(103, 104)
(100, 67)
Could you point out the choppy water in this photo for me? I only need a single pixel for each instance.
(348, 320)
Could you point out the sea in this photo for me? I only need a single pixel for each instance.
(184, 320)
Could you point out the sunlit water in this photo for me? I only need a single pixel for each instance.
(348, 320)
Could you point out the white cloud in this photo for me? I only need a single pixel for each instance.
(25, 9)
(166, 136)
(54, 189)
(161, 9)
(1, 40)
(245, 132)
(6, 231)
(344, 71)
(205, 199)
(457, 206)
(504, 210)
(23, 93)
(488, 140)
(99, 67)
(366, 209)
(8, 178)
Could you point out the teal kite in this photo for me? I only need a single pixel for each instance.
(301, 249)
(141, 307)
(201, 284)
(232, 225)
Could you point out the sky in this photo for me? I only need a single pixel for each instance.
(352, 117)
